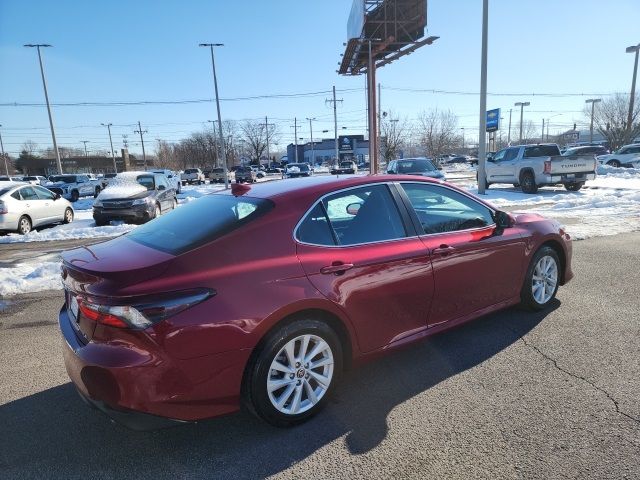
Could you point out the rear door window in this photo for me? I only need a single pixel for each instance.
(44, 194)
(28, 193)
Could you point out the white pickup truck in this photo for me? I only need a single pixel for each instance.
(191, 176)
(533, 166)
(72, 187)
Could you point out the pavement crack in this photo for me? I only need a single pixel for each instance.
(579, 377)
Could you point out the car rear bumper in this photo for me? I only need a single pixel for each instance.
(141, 386)
(9, 221)
(137, 213)
(569, 178)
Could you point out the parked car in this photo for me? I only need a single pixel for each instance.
(627, 156)
(172, 177)
(532, 166)
(35, 179)
(274, 171)
(106, 178)
(24, 207)
(260, 173)
(344, 167)
(191, 176)
(293, 170)
(10, 178)
(217, 176)
(414, 166)
(245, 175)
(134, 197)
(157, 320)
(72, 187)
(585, 150)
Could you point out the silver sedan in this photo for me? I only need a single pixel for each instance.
(24, 207)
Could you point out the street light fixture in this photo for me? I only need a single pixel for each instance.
(46, 97)
(521, 105)
(633, 49)
(593, 102)
(215, 85)
(548, 119)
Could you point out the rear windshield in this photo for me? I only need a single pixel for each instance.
(217, 170)
(541, 151)
(63, 178)
(415, 166)
(191, 170)
(198, 222)
(5, 190)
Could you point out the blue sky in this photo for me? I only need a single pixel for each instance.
(147, 50)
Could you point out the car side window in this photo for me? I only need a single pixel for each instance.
(511, 153)
(364, 215)
(16, 195)
(161, 181)
(442, 210)
(315, 228)
(28, 193)
(44, 194)
(499, 156)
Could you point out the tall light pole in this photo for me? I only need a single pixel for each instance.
(521, 105)
(85, 147)
(266, 128)
(144, 154)
(632, 49)
(548, 119)
(509, 131)
(213, 127)
(313, 153)
(215, 86)
(462, 128)
(593, 102)
(46, 97)
(113, 156)
(482, 134)
(6, 166)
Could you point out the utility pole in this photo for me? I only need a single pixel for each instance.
(144, 155)
(113, 156)
(378, 139)
(521, 105)
(313, 153)
(215, 85)
(295, 139)
(266, 129)
(46, 97)
(462, 128)
(335, 122)
(85, 146)
(482, 134)
(632, 97)
(593, 102)
(542, 136)
(509, 131)
(6, 166)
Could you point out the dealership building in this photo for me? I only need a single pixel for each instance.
(350, 147)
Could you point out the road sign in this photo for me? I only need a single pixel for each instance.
(572, 135)
(493, 120)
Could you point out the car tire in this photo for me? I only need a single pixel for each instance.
(573, 187)
(24, 225)
(300, 390)
(175, 204)
(516, 185)
(68, 216)
(75, 195)
(614, 163)
(101, 223)
(97, 192)
(486, 182)
(528, 183)
(541, 280)
(157, 211)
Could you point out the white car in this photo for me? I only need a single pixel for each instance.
(35, 180)
(74, 186)
(24, 207)
(627, 156)
(172, 177)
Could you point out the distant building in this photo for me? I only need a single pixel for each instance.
(350, 147)
(82, 164)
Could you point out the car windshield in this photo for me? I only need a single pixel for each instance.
(302, 166)
(146, 181)
(63, 178)
(346, 164)
(30, 178)
(184, 229)
(5, 190)
(415, 166)
(217, 170)
(191, 170)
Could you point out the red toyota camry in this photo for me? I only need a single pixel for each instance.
(263, 295)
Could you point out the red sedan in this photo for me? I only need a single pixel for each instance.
(263, 295)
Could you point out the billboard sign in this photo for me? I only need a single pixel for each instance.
(493, 120)
(345, 144)
(355, 24)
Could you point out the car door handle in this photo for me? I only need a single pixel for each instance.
(443, 250)
(337, 268)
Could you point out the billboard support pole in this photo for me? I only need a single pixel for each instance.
(373, 128)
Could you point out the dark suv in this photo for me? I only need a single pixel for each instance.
(245, 174)
(134, 197)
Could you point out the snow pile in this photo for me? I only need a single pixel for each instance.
(124, 185)
(79, 229)
(27, 278)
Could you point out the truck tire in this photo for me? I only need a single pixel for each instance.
(528, 183)
(573, 187)
(614, 163)
(75, 195)
(97, 192)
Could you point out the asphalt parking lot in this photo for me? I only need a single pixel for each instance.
(511, 395)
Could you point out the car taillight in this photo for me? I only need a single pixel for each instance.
(144, 314)
(3, 207)
(547, 166)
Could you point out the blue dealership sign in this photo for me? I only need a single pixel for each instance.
(493, 120)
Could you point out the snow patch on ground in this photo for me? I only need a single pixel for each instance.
(27, 278)
(77, 229)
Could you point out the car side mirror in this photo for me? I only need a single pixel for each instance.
(352, 208)
(56, 196)
(503, 220)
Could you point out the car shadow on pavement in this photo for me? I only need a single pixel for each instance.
(54, 434)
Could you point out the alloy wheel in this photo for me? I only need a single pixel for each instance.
(300, 374)
(544, 280)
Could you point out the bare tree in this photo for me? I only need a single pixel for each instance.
(393, 132)
(530, 132)
(29, 148)
(254, 135)
(437, 132)
(610, 119)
